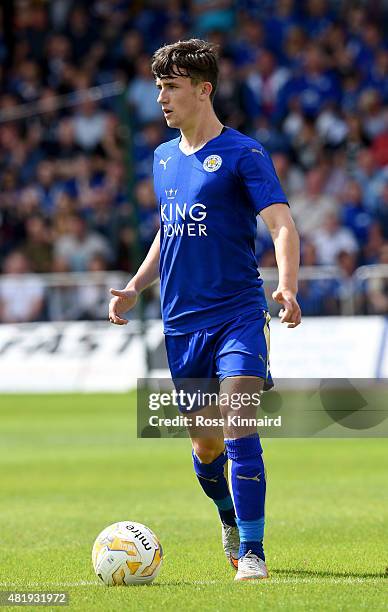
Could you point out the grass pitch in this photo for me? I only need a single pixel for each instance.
(70, 465)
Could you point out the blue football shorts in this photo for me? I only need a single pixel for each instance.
(239, 347)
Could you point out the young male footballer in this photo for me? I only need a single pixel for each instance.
(210, 184)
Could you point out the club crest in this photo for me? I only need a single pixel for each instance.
(212, 163)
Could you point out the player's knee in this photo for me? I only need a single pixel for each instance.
(207, 452)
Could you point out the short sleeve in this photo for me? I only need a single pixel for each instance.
(259, 178)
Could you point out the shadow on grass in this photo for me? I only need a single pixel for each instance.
(319, 574)
(276, 573)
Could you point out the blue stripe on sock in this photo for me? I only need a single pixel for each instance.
(251, 531)
(224, 504)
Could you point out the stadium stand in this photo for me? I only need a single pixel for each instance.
(308, 79)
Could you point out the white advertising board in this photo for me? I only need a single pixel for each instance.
(92, 357)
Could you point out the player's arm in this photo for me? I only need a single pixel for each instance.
(281, 226)
(146, 275)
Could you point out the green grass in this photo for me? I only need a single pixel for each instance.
(70, 465)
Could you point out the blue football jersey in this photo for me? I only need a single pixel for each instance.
(208, 203)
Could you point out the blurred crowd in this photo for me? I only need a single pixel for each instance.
(308, 79)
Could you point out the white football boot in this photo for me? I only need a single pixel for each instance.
(231, 544)
(251, 567)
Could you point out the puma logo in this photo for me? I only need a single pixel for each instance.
(255, 478)
(164, 163)
(208, 479)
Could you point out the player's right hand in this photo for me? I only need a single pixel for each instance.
(290, 312)
(122, 301)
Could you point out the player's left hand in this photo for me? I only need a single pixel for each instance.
(290, 312)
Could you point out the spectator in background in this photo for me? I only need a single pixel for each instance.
(305, 143)
(11, 224)
(145, 142)
(378, 74)
(103, 218)
(356, 140)
(331, 127)
(148, 214)
(66, 207)
(310, 207)
(331, 239)
(374, 117)
(32, 20)
(318, 17)
(230, 96)
(66, 149)
(380, 143)
(48, 189)
(175, 30)
(265, 79)
(84, 181)
(290, 176)
(80, 32)
(367, 45)
(126, 248)
(38, 244)
(314, 88)
(347, 289)
(372, 248)
(282, 19)
(27, 81)
(43, 130)
(114, 182)
(316, 296)
(61, 302)
(12, 149)
(131, 48)
(333, 164)
(293, 48)
(352, 87)
(21, 298)
(250, 40)
(353, 214)
(378, 287)
(58, 55)
(91, 298)
(370, 177)
(142, 93)
(28, 203)
(77, 246)
(90, 125)
(381, 215)
(212, 15)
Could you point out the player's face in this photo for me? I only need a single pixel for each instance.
(180, 100)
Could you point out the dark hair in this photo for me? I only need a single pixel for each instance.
(192, 58)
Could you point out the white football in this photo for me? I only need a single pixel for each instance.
(127, 553)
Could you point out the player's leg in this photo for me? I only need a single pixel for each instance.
(210, 460)
(210, 465)
(191, 361)
(242, 366)
(248, 480)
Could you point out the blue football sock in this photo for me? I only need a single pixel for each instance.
(248, 486)
(212, 479)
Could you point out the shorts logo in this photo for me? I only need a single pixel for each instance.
(212, 163)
